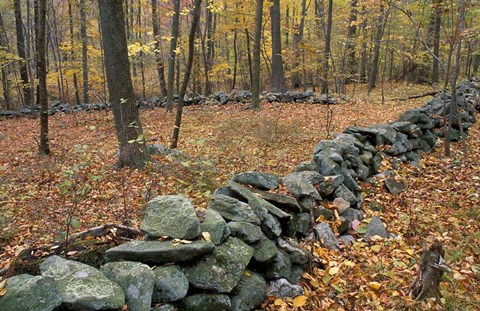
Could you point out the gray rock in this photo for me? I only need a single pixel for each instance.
(222, 269)
(259, 205)
(165, 307)
(376, 227)
(323, 145)
(416, 116)
(326, 236)
(81, 286)
(271, 227)
(171, 284)
(280, 267)
(306, 166)
(366, 158)
(346, 239)
(282, 288)
(26, 292)
(250, 292)
(343, 192)
(159, 252)
(264, 250)
(307, 203)
(260, 180)
(247, 232)
(297, 254)
(226, 191)
(279, 200)
(206, 302)
(413, 157)
(393, 186)
(424, 146)
(298, 186)
(172, 216)
(352, 214)
(386, 135)
(327, 166)
(331, 154)
(377, 162)
(377, 207)
(322, 211)
(233, 209)
(136, 280)
(330, 184)
(349, 181)
(215, 225)
(362, 171)
(300, 223)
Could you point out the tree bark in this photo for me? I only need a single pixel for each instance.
(72, 53)
(326, 52)
(436, 39)
(127, 120)
(188, 69)
(4, 70)
(350, 47)
(84, 38)
(172, 56)
(382, 21)
(278, 75)
(42, 76)
(158, 55)
(255, 104)
(27, 92)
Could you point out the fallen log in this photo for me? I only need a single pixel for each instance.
(432, 93)
(430, 273)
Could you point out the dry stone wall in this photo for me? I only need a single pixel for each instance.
(245, 246)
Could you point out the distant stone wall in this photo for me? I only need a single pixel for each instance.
(245, 245)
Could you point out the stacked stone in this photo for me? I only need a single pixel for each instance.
(245, 245)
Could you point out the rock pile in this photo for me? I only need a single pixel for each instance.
(246, 244)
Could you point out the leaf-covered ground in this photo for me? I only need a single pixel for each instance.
(79, 183)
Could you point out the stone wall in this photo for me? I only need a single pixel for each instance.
(245, 245)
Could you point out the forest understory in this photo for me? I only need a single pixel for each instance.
(79, 183)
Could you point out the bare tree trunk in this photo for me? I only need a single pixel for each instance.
(255, 104)
(382, 22)
(158, 55)
(235, 59)
(350, 47)
(209, 48)
(27, 92)
(84, 38)
(127, 120)
(278, 75)
(326, 52)
(4, 70)
(249, 54)
(42, 77)
(171, 58)
(436, 38)
(297, 40)
(188, 69)
(72, 53)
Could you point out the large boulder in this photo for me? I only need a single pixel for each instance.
(136, 280)
(250, 292)
(26, 292)
(171, 215)
(221, 270)
(159, 252)
(171, 284)
(260, 180)
(81, 286)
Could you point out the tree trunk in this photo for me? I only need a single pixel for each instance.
(326, 52)
(249, 56)
(171, 58)
(84, 38)
(4, 70)
(127, 120)
(158, 55)
(255, 104)
(436, 38)
(235, 59)
(382, 22)
(42, 76)
(350, 47)
(72, 53)
(27, 92)
(209, 50)
(188, 69)
(278, 75)
(297, 40)
(430, 273)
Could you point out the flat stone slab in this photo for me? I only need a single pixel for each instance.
(260, 180)
(159, 252)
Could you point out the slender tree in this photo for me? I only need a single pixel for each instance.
(278, 75)
(188, 69)
(255, 104)
(127, 120)
(4, 68)
(436, 11)
(326, 52)
(42, 76)
(84, 38)
(381, 23)
(158, 54)
(173, 52)
(27, 93)
(72, 53)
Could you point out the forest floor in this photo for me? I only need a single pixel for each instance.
(78, 182)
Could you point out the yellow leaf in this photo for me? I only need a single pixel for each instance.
(3, 284)
(300, 301)
(374, 285)
(247, 273)
(376, 248)
(3, 291)
(278, 302)
(333, 270)
(206, 236)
